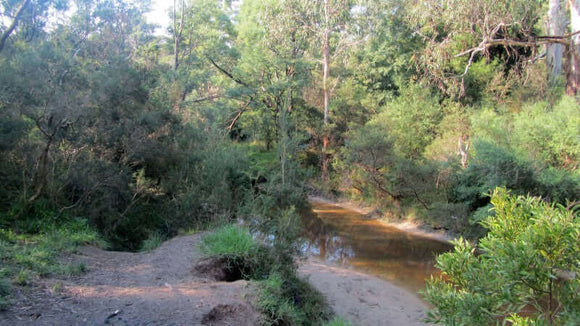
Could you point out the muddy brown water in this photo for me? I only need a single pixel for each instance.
(348, 238)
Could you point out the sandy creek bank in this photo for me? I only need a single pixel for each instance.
(162, 287)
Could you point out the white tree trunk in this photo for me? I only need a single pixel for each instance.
(555, 51)
(573, 78)
(325, 90)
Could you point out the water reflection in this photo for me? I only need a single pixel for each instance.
(348, 238)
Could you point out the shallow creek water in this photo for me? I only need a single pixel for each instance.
(350, 239)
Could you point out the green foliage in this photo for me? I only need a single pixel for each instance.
(550, 134)
(490, 167)
(338, 321)
(510, 150)
(25, 256)
(411, 119)
(234, 246)
(459, 25)
(229, 240)
(383, 157)
(5, 290)
(39, 253)
(282, 296)
(154, 241)
(290, 301)
(529, 259)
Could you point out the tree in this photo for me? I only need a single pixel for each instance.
(525, 271)
(177, 31)
(460, 33)
(329, 20)
(26, 13)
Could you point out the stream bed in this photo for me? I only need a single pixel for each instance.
(349, 239)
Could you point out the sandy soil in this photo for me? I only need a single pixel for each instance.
(363, 299)
(163, 288)
(156, 288)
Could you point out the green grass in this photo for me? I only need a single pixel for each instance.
(229, 240)
(154, 241)
(26, 256)
(338, 321)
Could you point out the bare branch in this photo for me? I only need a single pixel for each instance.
(225, 72)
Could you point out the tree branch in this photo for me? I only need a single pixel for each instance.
(239, 114)
(225, 72)
(12, 26)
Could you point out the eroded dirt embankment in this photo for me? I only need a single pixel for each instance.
(162, 287)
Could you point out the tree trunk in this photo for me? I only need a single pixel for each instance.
(177, 31)
(555, 51)
(41, 173)
(573, 65)
(325, 75)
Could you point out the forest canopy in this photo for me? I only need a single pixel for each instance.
(240, 108)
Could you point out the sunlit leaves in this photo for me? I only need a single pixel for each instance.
(527, 264)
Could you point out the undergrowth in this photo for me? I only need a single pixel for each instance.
(154, 241)
(338, 321)
(26, 256)
(282, 297)
(290, 301)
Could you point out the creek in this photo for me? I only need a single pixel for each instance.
(350, 239)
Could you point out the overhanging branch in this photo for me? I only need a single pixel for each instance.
(227, 73)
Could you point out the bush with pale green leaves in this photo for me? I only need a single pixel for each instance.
(526, 271)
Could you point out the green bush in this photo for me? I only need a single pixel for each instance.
(290, 301)
(525, 270)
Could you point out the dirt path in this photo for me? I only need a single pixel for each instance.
(156, 288)
(162, 288)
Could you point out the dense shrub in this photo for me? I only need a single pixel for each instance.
(525, 270)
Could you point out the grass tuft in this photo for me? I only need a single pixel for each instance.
(338, 321)
(229, 240)
(151, 243)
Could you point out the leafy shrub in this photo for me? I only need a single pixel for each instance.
(290, 301)
(490, 167)
(525, 270)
